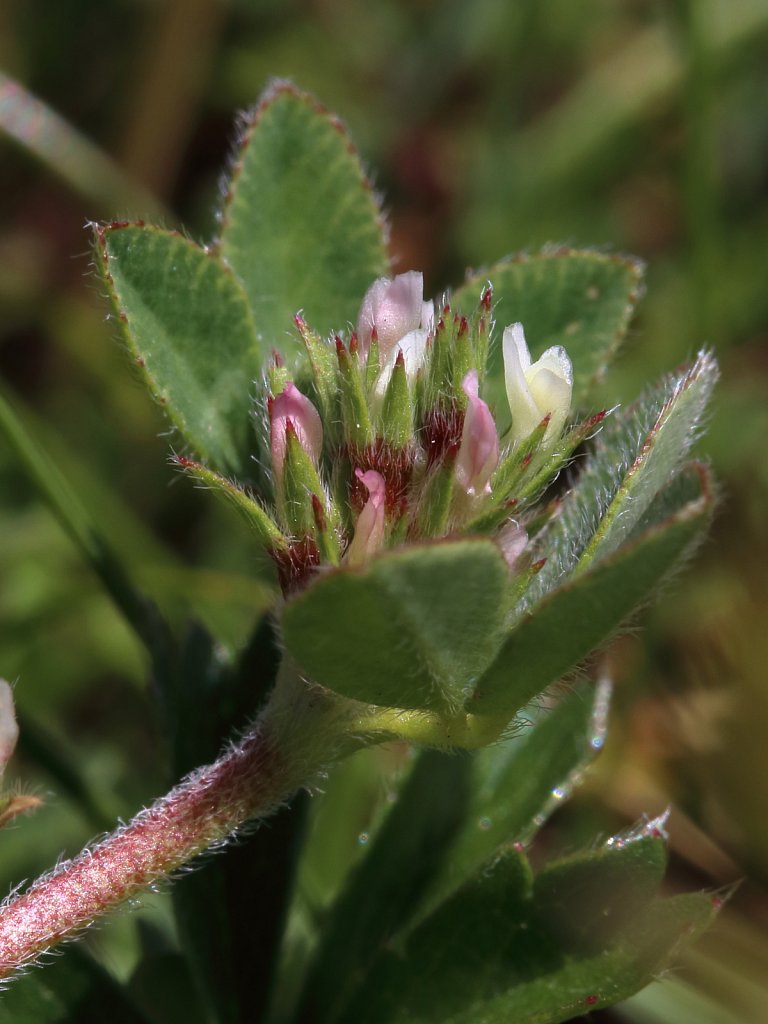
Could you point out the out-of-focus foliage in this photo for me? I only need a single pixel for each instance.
(639, 126)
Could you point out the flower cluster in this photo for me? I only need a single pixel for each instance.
(384, 436)
(396, 442)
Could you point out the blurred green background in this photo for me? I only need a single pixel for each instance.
(489, 126)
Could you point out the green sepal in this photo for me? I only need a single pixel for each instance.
(325, 368)
(515, 463)
(438, 364)
(258, 518)
(561, 630)
(480, 332)
(463, 360)
(397, 410)
(546, 464)
(526, 471)
(326, 535)
(437, 492)
(356, 419)
(372, 364)
(295, 486)
(278, 376)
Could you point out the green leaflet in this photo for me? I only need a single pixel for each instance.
(517, 784)
(416, 626)
(301, 225)
(507, 947)
(580, 299)
(187, 322)
(636, 454)
(571, 621)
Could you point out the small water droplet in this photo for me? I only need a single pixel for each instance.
(600, 713)
(484, 824)
(363, 838)
(559, 793)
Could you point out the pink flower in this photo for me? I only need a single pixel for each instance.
(369, 529)
(292, 409)
(395, 308)
(478, 453)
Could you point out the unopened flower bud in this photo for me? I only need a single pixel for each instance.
(290, 406)
(369, 529)
(535, 390)
(394, 308)
(479, 451)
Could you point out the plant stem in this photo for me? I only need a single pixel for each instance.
(247, 781)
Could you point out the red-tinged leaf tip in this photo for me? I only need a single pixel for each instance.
(527, 459)
(597, 418)
(300, 322)
(354, 343)
(447, 309)
(440, 326)
(183, 461)
(538, 566)
(400, 360)
(510, 504)
(463, 326)
(717, 902)
(375, 334)
(270, 405)
(115, 225)
(277, 359)
(290, 430)
(340, 350)
(486, 299)
(591, 1000)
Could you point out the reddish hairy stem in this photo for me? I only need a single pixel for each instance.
(247, 781)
